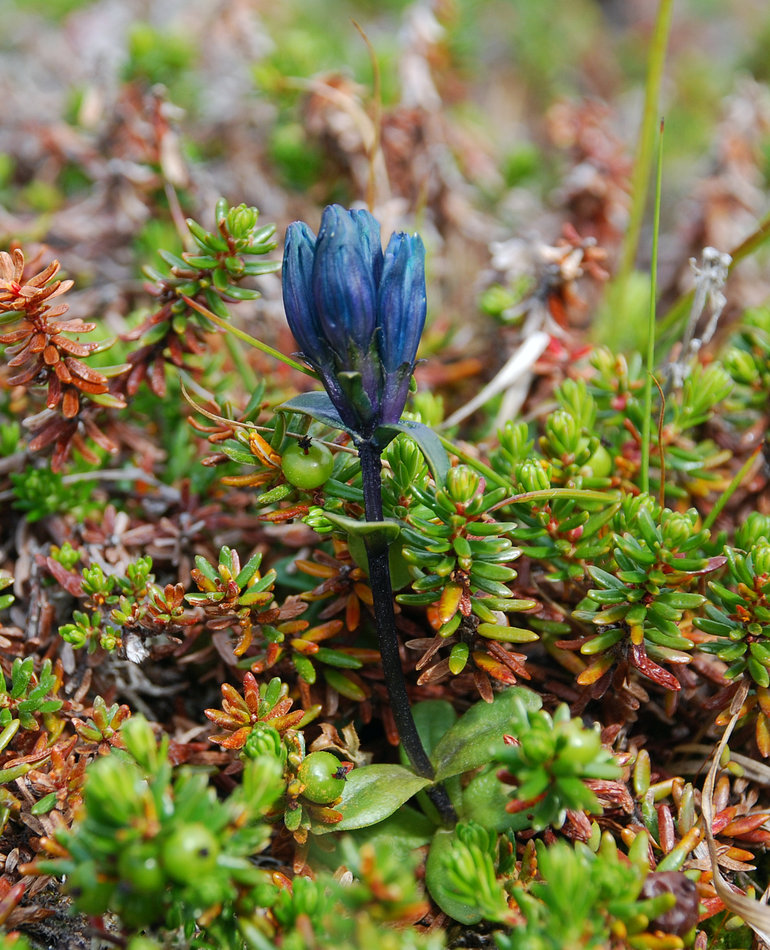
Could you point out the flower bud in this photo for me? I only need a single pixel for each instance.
(532, 476)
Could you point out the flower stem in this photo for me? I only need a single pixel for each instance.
(645, 152)
(385, 617)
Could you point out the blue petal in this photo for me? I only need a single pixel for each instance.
(401, 303)
(298, 301)
(344, 290)
(370, 242)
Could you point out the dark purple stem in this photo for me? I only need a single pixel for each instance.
(385, 618)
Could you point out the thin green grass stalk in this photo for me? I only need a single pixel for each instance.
(252, 341)
(543, 494)
(736, 480)
(646, 144)
(647, 412)
(187, 380)
(546, 494)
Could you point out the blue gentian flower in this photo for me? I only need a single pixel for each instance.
(357, 313)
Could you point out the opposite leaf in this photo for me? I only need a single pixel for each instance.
(472, 740)
(429, 443)
(318, 406)
(371, 794)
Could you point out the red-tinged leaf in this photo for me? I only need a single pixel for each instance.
(572, 644)
(70, 405)
(10, 899)
(493, 668)
(593, 673)
(285, 514)
(514, 661)
(135, 377)
(64, 446)
(515, 806)
(251, 692)
(436, 673)
(70, 346)
(15, 336)
(294, 627)
(760, 837)
(740, 855)
(221, 719)
(56, 429)
(305, 647)
(62, 373)
(50, 355)
(323, 631)
(324, 814)
(54, 391)
(362, 654)
(710, 906)
(58, 311)
(289, 721)
(38, 343)
(744, 825)
(175, 350)
(41, 279)
(157, 379)
(762, 734)
(231, 695)
(102, 440)
(21, 379)
(651, 670)
(281, 708)
(236, 741)
(364, 593)
(711, 565)
(244, 642)
(69, 580)
(723, 819)
(666, 831)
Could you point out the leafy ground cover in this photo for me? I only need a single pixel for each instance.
(472, 648)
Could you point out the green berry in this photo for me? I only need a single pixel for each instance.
(323, 776)
(139, 866)
(600, 464)
(189, 852)
(306, 464)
